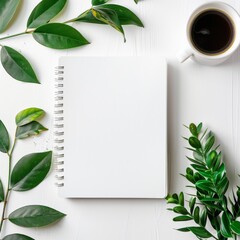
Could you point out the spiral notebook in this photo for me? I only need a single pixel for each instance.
(111, 127)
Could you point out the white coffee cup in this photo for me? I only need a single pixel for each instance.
(192, 52)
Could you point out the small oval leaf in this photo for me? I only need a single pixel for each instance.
(4, 138)
(44, 12)
(59, 36)
(209, 144)
(17, 66)
(182, 218)
(200, 232)
(193, 129)
(1, 191)
(235, 226)
(196, 214)
(35, 216)
(30, 171)
(125, 16)
(17, 236)
(28, 115)
(194, 142)
(8, 9)
(108, 17)
(181, 199)
(98, 2)
(181, 210)
(30, 129)
(225, 226)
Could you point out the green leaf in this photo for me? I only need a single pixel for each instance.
(136, 1)
(17, 66)
(211, 159)
(199, 127)
(59, 36)
(181, 210)
(194, 142)
(1, 191)
(109, 17)
(235, 226)
(4, 138)
(28, 115)
(125, 16)
(225, 226)
(196, 214)
(30, 129)
(8, 9)
(181, 199)
(182, 218)
(209, 144)
(192, 203)
(205, 185)
(99, 2)
(17, 236)
(203, 217)
(172, 200)
(193, 129)
(30, 171)
(44, 12)
(35, 216)
(200, 232)
(183, 230)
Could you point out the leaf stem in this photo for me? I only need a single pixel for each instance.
(14, 35)
(3, 218)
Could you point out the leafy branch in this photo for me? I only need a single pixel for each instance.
(207, 175)
(57, 35)
(27, 173)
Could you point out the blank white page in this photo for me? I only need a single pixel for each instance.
(115, 124)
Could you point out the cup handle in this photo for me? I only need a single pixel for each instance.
(184, 55)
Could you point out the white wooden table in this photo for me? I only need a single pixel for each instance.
(196, 93)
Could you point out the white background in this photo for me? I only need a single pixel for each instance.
(196, 93)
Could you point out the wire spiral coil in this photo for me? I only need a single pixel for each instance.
(59, 127)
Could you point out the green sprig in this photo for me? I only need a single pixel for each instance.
(208, 175)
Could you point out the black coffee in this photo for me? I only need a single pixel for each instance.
(212, 32)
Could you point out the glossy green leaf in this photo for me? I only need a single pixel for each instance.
(4, 138)
(205, 185)
(30, 171)
(99, 2)
(136, 1)
(28, 115)
(30, 129)
(209, 144)
(225, 226)
(196, 214)
(17, 236)
(8, 9)
(192, 203)
(211, 158)
(59, 36)
(109, 17)
(35, 216)
(199, 127)
(200, 232)
(181, 210)
(172, 200)
(193, 129)
(235, 227)
(1, 191)
(44, 12)
(194, 142)
(17, 66)
(181, 199)
(203, 217)
(182, 218)
(125, 16)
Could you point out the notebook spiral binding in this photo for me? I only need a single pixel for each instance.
(59, 127)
